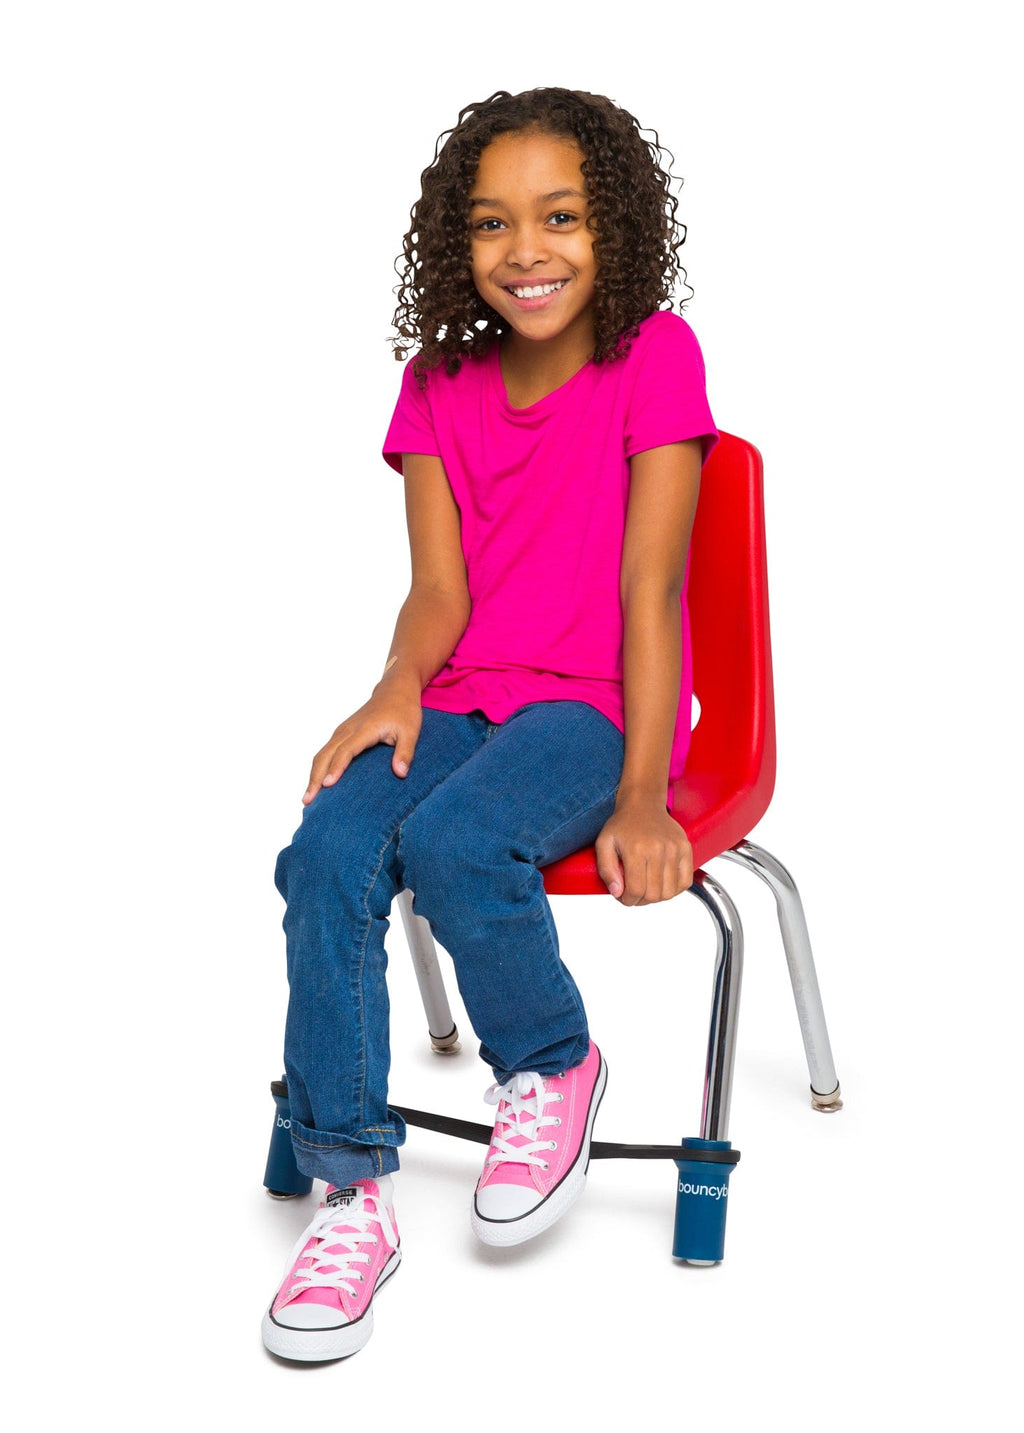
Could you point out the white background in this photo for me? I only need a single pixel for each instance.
(203, 559)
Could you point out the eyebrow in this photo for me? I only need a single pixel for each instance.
(544, 198)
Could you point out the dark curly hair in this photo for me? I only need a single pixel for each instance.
(633, 215)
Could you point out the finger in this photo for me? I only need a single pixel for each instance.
(609, 867)
(636, 880)
(405, 748)
(672, 877)
(339, 766)
(649, 886)
(683, 869)
(347, 751)
(316, 775)
(328, 779)
(668, 875)
(686, 864)
(341, 759)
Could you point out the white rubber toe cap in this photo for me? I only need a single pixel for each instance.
(310, 1316)
(505, 1201)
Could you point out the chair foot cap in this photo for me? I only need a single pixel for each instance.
(827, 1104)
(446, 1044)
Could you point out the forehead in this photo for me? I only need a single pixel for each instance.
(528, 164)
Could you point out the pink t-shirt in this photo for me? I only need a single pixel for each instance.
(542, 492)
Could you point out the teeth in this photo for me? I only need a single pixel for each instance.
(539, 290)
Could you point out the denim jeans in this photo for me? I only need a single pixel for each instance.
(484, 805)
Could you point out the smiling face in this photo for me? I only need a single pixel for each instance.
(532, 253)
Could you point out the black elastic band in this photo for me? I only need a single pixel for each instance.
(599, 1149)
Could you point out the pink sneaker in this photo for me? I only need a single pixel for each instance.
(324, 1308)
(536, 1166)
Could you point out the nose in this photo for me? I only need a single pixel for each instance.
(528, 246)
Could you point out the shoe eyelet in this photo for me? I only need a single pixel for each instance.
(545, 1166)
(560, 1099)
(553, 1144)
(557, 1120)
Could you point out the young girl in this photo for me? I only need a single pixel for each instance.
(536, 698)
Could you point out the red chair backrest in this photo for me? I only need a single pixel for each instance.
(730, 770)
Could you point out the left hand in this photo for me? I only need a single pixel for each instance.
(643, 855)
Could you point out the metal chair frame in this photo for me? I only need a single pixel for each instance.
(726, 986)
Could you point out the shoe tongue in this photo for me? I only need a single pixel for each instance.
(341, 1199)
(520, 1130)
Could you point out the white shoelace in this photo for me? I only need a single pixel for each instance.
(522, 1099)
(333, 1270)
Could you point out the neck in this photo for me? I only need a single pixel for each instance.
(532, 370)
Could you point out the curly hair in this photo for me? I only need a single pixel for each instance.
(633, 216)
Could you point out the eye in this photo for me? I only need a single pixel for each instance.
(561, 218)
(488, 226)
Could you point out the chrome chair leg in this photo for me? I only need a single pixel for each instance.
(725, 1004)
(825, 1092)
(429, 979)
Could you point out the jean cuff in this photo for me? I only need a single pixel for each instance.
(339, 1160)
(567, 1057)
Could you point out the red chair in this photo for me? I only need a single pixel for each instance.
(728, 783)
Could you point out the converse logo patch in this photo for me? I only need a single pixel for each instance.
(342, 1198)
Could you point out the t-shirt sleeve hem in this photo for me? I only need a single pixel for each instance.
(411, 429)
(707, 434)
(393, 456)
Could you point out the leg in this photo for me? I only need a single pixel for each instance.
(339, 877)
(444, 1035)
(541, 786)
(725, 1006)
(825, 1093)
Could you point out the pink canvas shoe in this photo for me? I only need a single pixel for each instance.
(324, 1307)
(536, 1166)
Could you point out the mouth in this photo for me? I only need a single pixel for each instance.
(537, 294)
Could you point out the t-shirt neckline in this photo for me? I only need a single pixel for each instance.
(542, 405)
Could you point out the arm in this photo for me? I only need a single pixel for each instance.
(642, 853)
(430, 623)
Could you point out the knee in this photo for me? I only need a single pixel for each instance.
(440, 849)
(332, 837)
(307, 841)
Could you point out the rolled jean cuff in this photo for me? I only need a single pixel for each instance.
(566, 1057)
(339, 1160)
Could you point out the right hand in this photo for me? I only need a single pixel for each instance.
(393, 715)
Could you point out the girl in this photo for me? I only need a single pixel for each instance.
(536, 698)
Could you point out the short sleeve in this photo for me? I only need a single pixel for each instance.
(668, 403)
(412, 427)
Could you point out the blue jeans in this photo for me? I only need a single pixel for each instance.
(484, 805)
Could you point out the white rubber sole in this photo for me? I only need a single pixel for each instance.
(503, 1233)
(320, 1345)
